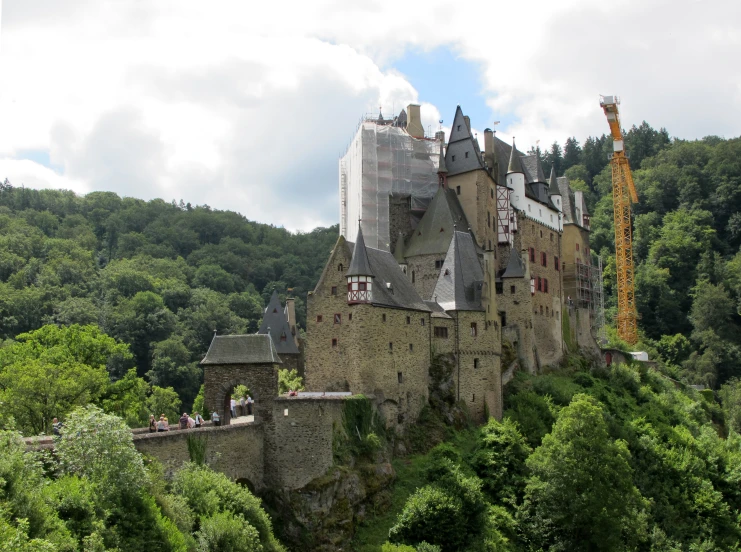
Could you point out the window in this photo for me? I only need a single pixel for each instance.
(452, 157)
(544, 258)
(540, 284)
(349, 317)
(499, 286)
(285, 412)
(504, 319)
(458, 127)
(551, 236)
(512, 289)
(492, 193)
(334, 343)
(556, 263)
(362, 286)
(475, 363)
(458, 190)
(391, 345)
(411, 347)
(541, 309)
(334, 290)
(473, 397)
(490, 247)
(422, 321)
(441, 331)
(409, 319)
(532, 286)
(338, 319)
(541, 233)
(438, 264)
(474, 329)
(466, 155)
(532, 254)
(488, 219)
(577, 247)
(412, 276)
(340, 268)
(319, 318)
(383, 318)
(545, 285)
(400, 377)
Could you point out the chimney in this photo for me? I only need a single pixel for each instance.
(489, 147)
(291, 314)
(414, 121)
(440, 136)
(468, 122)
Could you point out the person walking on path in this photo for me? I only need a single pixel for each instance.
(152, 424)
(243, 406)
(233, 405)
(198, 419)
(215, 418)
(249, 405)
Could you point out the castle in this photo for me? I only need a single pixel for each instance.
(445, 249)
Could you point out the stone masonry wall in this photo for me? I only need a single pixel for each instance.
(220, 380)
(423, 274)
(300, 447)
(236, 451)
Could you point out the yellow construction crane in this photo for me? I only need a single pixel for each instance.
(623, 191)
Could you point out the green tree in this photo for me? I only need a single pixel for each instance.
(289, 380)
(580, 495)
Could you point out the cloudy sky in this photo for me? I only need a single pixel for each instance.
(248, 105)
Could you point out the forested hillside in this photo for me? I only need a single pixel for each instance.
(158, 276)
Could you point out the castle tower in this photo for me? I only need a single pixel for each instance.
(516, 178)
(359, 275)
(553, 192)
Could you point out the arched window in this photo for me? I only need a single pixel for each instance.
(340, 268)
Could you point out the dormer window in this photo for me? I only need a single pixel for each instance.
(340, 268)
(458, 127)
(359, 289)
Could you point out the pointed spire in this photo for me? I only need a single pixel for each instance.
(515, 164)
(553, 183)
(359, 265)
(514, 266)
(442, 169)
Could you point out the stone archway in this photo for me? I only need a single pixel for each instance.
(221, 379)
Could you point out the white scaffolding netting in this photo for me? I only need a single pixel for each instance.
(382, 161)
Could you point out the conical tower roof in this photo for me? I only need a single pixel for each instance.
(442, 168)
(359, 265)
(553, 183)
(275, 323)
(514, 269)
(515, 164)
(461, 279)
(435, 230)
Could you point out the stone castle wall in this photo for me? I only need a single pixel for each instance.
(423, 274)
(219, 381)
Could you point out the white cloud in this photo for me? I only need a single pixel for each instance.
(247, 106)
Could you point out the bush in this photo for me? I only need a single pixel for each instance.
(433, 515)
(225, 532)
(533, 415)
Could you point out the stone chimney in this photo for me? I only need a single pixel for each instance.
(489, 147)
(414, 121)
(468, 122)
(291, 315)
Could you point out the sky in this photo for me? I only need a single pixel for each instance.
(248, 106)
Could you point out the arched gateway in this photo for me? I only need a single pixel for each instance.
(250, 360)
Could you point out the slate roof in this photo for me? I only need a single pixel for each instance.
(553, 183)
(515, 267)
(461, 279)
(533, 169)
(435, 229)
(399, 249)
(391, 287)
(569, 202)
(359, 265)
(437, 310)
(515, 162)
(463, 147)
(242, 349)
(276, 321)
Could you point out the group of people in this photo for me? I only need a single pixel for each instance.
(185, 422)
(245, 406)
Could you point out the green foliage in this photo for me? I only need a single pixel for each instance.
(533, 414)
(289, 380)
(199, 404)
(225, 532)
(361, 431)
(197, 449)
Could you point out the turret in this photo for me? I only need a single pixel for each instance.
(553, 192)
(359, 274)
(516, 178)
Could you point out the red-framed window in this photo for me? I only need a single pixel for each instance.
(540, 284)
(532, 254)
(544, 258)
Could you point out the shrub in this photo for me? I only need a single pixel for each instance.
(226, 532)
(533, 415)
(433, 515)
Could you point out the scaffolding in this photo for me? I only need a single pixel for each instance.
(583, 286)
(381, 161)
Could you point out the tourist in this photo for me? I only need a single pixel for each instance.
(233, 405)
(249, 405)
(191, 423)
(215, 418)
(152, 424)
(198, 419)
(184, 421)
(56, 427)
(243, 405)
(167, 424)
(161, 424)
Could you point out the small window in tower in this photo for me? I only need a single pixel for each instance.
(338, 319)
(466, 155)
(349, 317)
(541, 309)
(512, 289)
(391, 345)
(334, 290)
(340, 268)
(452, 157)
(334, 343)
(319, 318)
(556, 264)
(551, 236)
(577, 247)
(540, 284)
(475, 363)
(458, 127)
(283, 336)
(532, 254)
(438, 264)
(473, 397)
(400, 377)
(422, 321)
(412, 276)
(545, 285)
(411, 347)
(275, 311)
(474, 329)
(488, 219)
(499, 287)
(383, 318)
(458, 190)
(492, 193)
(541, 233)
(504, 319)
(544, 258)
(409, 319)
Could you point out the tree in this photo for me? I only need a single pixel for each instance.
(580, 495)
(289, 380)
(571, 153)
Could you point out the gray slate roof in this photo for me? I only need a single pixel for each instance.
(569, 202)
(276, 320)
(241, 349)
(515, 162)
(435, 229)
(515, 267)
(463, 147)
(533, 169)
(553, 183)
(359, 265)
(461, 279)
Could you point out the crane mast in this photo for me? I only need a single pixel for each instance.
(623, 192)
